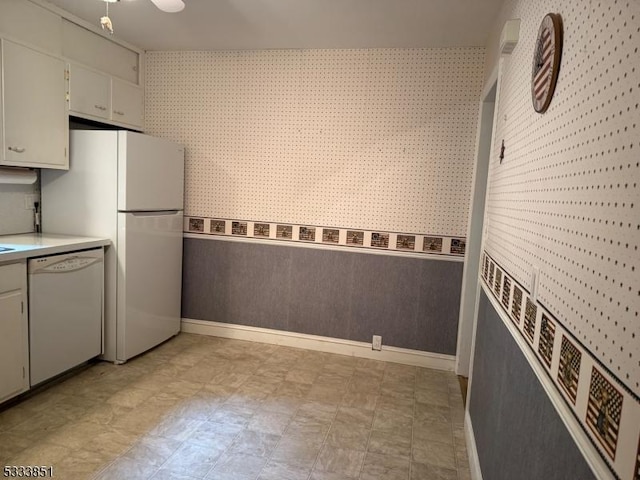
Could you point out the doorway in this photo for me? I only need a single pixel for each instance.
(470, 285)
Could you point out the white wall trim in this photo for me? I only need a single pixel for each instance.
(322, 344)
(474, 460)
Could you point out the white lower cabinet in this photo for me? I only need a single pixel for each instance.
(14, 331)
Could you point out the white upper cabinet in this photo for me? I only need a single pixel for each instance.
(89, 92)
(35, 109)
(97, 96)
(31, 24)
(95, 51)
(126, 103)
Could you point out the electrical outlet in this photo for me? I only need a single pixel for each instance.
(28, 201)
(376, 344)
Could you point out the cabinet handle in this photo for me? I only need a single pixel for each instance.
(17, 149)
(117, 112)
(100, 107)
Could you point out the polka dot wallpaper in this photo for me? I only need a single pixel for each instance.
(363, 139)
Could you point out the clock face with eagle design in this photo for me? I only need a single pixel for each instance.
(546, 61)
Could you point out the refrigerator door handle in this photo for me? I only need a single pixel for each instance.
(152, 213)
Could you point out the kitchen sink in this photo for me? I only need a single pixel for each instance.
(6, 249)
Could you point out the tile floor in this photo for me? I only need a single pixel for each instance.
(208, 408)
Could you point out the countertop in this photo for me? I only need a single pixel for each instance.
(38, 244)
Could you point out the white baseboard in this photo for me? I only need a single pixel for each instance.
(474, 460)
(322, 344)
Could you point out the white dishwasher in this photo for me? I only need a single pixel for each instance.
(65, 312)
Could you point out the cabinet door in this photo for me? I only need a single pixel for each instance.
(88, 92)
(35, 108)
(126, 103)
(13, 331)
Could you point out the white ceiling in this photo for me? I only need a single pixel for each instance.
(267, 24)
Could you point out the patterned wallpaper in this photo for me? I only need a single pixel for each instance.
(565, 200)
(372, 140)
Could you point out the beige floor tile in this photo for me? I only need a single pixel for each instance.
(320, 475)
(40, 454)
(177, 428)
(326, 393)
(236, 467)
(282, 471)
(104, 413)
(164, 474)
(76, 435)
(112, 442)
(385, 467)
(364, 384)
(127, 468)
(462, 457)
(257, 444)
(434, 453)
(432, 397)
(387, 443)
(432, 413)
(11, 444)
(432, 431)
(389, 421)
(421, 471)
(398, 390)
(193, 460)
(230, 414)
(356, 416)
(293, 389)
(130, 397)
(171, 370)
(198, 407)
(140, 420)
(80, 465)
(298, 450)
(285, 405)
(39, 426)
(215, 435)
(360, 400)
(13, 416)
(464, 474)
(270, 422)
(152, 450)
(298, 375)
(348, 437)
(404, 406)
(342, 461)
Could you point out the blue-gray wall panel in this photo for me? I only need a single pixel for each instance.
(518, 432)
(412, 302)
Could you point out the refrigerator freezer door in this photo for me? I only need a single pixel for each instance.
(149, 280)
(150, 173)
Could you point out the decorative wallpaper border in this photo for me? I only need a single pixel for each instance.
(606, 409)
(330, 236)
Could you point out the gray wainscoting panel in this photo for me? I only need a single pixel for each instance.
(412, 302)
(518, 432)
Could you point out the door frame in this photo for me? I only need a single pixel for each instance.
(470, 291)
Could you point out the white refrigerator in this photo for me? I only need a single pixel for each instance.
(128, 187)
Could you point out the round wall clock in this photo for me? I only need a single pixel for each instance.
(546, 61)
